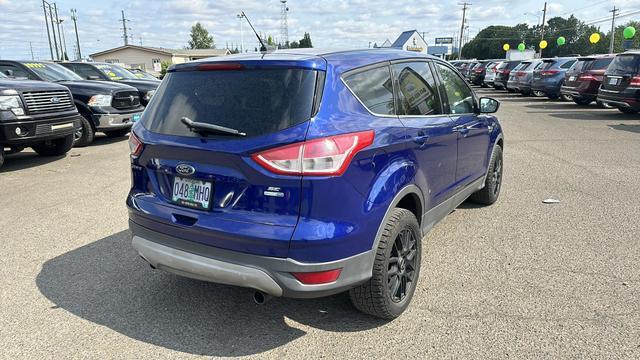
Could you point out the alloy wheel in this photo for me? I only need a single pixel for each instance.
(497, 175)
(402, 265)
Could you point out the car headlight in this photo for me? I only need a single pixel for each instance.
(149, 94)
(12, 103)
(100, 100)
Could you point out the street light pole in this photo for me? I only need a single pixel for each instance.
(55, 8)
(44, 7)
(240, 16)
(74, 17)
(53, 29)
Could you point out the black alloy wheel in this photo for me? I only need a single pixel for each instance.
(402, 266)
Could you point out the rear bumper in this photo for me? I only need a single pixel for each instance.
(624, 99)
(115, 121)
(577, 94)
(36, 130)
(548, 89)
(268, 274)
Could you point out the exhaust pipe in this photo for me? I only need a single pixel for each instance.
(261, 298)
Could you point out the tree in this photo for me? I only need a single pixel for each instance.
(200, 38)
(305, 42)
(164, 65)
(270, 40)
(294, 45)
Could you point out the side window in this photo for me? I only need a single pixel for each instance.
(374, 89)
(459, 95)
(86, 70)
(13, 71)
(417, 90)
(568, 64)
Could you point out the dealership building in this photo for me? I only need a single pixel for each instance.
(150, 58)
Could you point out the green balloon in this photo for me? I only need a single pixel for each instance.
(521, 47)
(629, 32)
(561, 40)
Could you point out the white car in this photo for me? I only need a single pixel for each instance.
(491, 73)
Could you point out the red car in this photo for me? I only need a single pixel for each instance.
(583, 79)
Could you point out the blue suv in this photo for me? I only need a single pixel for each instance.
(548, 78)
(304, 174)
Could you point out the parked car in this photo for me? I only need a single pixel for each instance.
(524, 76)
(621, 83)
(491, 73)
(112, 72)
(36, 114)
(141, 74)
(583, 79)
(108, 107)
(247, 197)
(469, 70)
(549, 77)
(512, 82)
(502, 73)
(479, 72)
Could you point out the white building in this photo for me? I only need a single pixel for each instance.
(150, 58)
(411, 41)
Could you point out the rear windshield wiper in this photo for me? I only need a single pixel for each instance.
(200, 127)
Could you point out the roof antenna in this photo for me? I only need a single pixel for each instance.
(263, 48)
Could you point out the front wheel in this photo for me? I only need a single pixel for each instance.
(538, 93)
(55, 147)
(566, 97)
(493, 182)
(395, 269)
(604, 105)
(84, 135)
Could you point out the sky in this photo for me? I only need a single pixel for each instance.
(331, 23)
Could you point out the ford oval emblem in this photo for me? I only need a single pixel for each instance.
(185, 169)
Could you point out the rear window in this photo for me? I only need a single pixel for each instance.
(601, 64)
(625, 64)
(548, 64)
(568, 64)
(255, 102)
(581, 65)
(525, 66)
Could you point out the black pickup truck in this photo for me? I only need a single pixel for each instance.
(112, 72)
(105, 106)
(36, 114)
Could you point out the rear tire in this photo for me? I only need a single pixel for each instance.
(117, 133)
(604, 105)
(627, 110)
(491, 190)
(396, 268)
(567, 97)
(1, 155)
(55, 147)
(538, 93)
(85, 135)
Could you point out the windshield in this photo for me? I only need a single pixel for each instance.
(115, 72)
(142, 75)
(625, 64)
(52, 72)
(255, 102)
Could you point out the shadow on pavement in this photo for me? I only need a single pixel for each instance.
(607, 115)
(105, 282)
(626, 127)
(26, 160)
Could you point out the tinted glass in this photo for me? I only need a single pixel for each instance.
(568, 64)
(625, 64)
(85, 71)
(52, 72)
(525, 66)
(459, 95)
(581, 65)
(115, 72)
(416, 89)
(373, 87)
(548, 64)
(17, 72)
(601, 64)
(255, 102)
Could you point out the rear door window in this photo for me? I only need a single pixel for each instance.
(374, 89)
(601, 64)
(85, 71)
(15, 71)
(417, 91)
(459, 95)
(625, 64)
(253, 101)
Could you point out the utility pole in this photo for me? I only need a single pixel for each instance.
(74, 17)
(464, 18)
(53, 29)
(284, 26)
(44, 7)
(544, 19)
(64, 43)
(55, 9)
(240, 17)
(613, 28)
(31, 48)
(124, 29)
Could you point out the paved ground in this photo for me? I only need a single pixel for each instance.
(518, 279)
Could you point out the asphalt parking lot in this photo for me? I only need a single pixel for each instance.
(518, 279)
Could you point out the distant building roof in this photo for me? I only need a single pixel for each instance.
(404, 37)
(385, 44)
(176, 52)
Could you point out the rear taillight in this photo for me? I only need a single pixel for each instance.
(329, 156)
(220, 66)
(548, 72)
(520, 73)
(587, 77)
(319, 277)
(478, 71)
(635, 81)
(505, 72)
(135, 145)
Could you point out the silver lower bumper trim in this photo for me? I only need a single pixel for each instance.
(203, 268)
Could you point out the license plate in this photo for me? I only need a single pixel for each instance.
(613, 81)
(191, 193)
(572, 78)
(135, 117)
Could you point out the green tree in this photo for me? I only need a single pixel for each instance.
(270, 40)
(164, 65)
(200, 38)
(305, 42)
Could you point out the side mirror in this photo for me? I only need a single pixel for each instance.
(93, 77)
(8, 72)
(489, 105)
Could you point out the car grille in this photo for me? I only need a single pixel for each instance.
(47, 101)
(125, 100)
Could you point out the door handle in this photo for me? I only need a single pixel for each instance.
(462, 129)
(421, 139)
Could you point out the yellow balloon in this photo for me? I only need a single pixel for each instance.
(543, 44)
(594, 38)
(506, 47)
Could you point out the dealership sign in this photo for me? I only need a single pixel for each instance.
(444, 40)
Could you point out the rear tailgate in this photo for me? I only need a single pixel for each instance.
(204, 186)
(620, 72)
